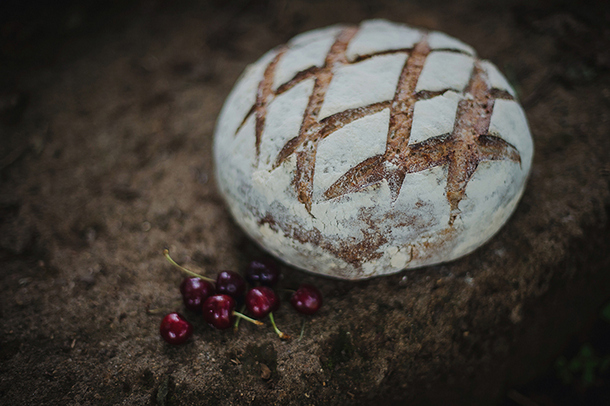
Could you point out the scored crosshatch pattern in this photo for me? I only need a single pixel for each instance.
(460, 150)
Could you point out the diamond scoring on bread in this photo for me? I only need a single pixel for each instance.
(458, 152)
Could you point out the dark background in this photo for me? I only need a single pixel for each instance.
(106, 116)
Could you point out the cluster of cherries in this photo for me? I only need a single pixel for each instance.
(216, 299)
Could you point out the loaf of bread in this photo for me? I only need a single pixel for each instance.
(358, 151)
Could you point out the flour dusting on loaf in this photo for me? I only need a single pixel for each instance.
(358, 151)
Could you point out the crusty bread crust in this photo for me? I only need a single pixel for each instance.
(375, 247)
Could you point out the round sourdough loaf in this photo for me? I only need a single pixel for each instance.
(358, 151)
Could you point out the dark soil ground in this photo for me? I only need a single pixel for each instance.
(107, 110)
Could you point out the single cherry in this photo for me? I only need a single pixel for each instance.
(264, 271)
(194, 292)
(262, 300)
(219, 312)
(175, 329)
(230, 283)
(307, 299)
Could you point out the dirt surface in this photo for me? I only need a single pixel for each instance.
(107, 113)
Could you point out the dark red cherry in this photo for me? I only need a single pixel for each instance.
(175, 329)
(230, 283)
(307, 299)
(262, 271)
(194, 292)
(218, 311)
(262, 300)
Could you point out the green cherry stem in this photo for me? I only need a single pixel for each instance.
(251, 320)
(238, 319)
(183, 269)
(277, 330)
(302, 330)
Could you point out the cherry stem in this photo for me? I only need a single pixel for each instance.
(251, 320)
(302, 330)
(277, 330)
(183, 269)
(237, 320)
